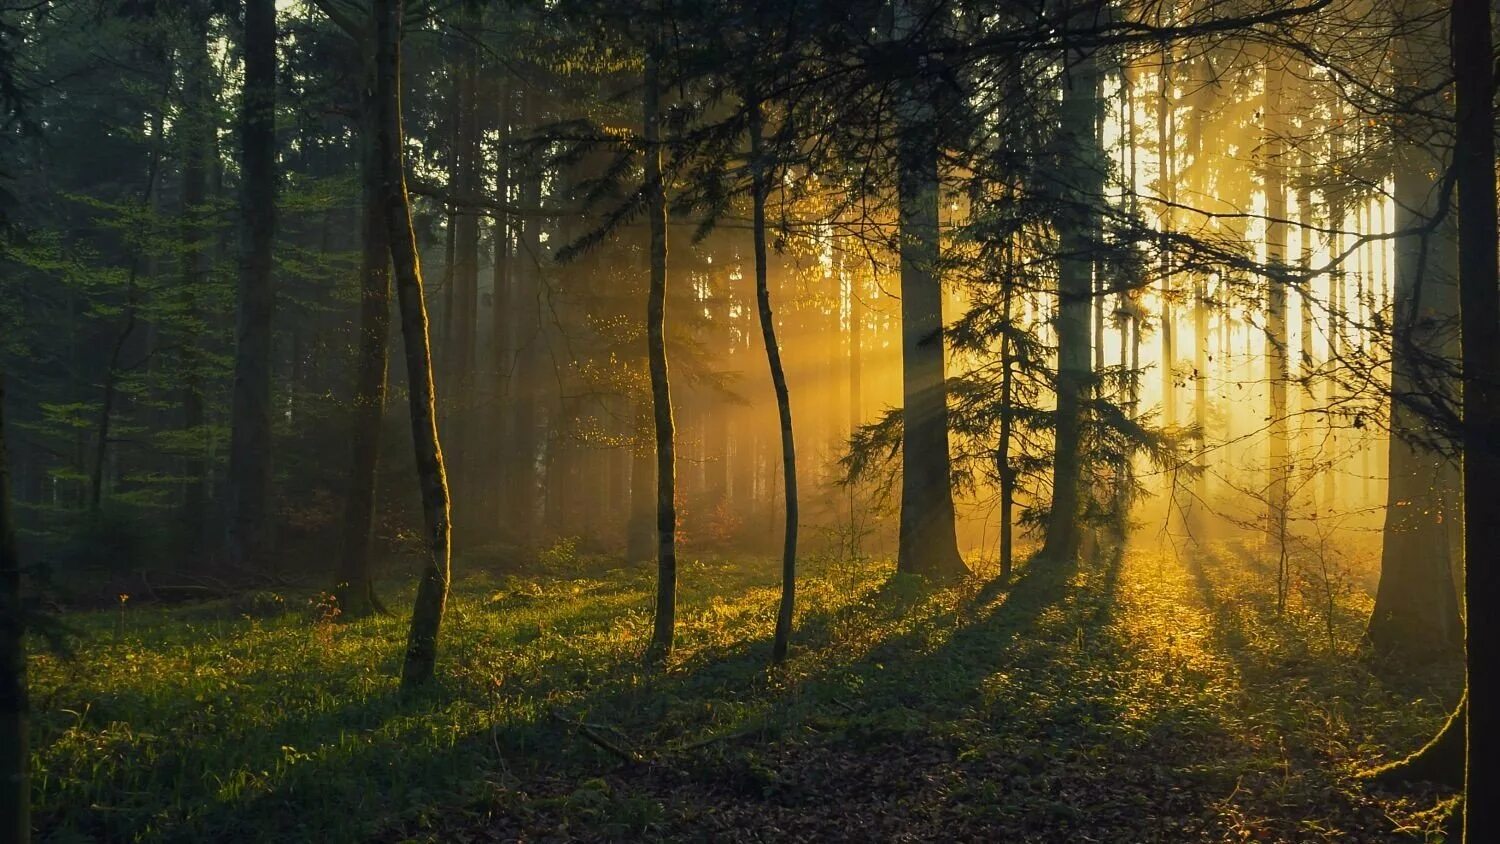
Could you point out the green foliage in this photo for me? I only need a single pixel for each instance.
(1135, 699)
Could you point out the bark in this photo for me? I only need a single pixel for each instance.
(356, 587)
(198, 135)
(783, 402)
(1078, 221)
(1276, 323)
(15, 758)
(432, 591)
(249, 490)
(522, 491)
(1416, 603)
(927, 543)
(1479, 298)
(656, 351)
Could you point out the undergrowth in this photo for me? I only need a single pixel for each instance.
(1139, 697)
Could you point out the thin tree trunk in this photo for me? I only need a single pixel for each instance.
(1276, 322)
(656, 350)
(432, 591)
(356, 587)
(783, 401)
(198, 128)
(15, 758)
(250, 410)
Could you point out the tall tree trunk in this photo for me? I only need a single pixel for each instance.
(656, 351)
(1416, 605)
(15, 758)
(502, 307)
(522, 492)
(1479, 297)
(356, 586)
(1276, 322)
(1167, 188)
(250, 409)
(198, 129)
(778, 382)
(928, 543)
(1082, 179)
(432, 590)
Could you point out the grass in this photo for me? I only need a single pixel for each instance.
(1136, 698)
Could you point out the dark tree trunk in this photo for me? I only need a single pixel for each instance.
(928, 543)
(198, 130)
(783, 636)
(15, 758)
(1082, 177)
(356, 587)
(663, 628)
(250, 409)
(432, 590)
(1416, 604)
(1479, 298)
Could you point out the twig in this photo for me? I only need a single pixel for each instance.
(590, 732)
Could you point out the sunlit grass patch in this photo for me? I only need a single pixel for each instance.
(1168, 694)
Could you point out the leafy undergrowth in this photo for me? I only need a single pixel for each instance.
(1136, 698)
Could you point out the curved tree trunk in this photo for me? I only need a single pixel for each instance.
(432, 590)
(656, 351)
(783, 401)
(250, 410)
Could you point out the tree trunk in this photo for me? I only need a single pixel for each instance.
(928, 543)
(1479, 296)
(656, 351)
(15, 758)
(1078, 221)
(1276, 322)
(198, 129)
(1416, 604)
(250, 409)
(356, 587)
(432, 591)
(640, 540)
(783, 401)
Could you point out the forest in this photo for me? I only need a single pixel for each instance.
(708, 420)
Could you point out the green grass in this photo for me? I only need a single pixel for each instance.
(1137, 698)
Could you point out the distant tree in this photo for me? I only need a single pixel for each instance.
(1416, 603)
(250, 437)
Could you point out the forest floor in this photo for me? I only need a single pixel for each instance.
(1142, 697)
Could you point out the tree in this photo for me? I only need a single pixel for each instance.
(927, 543)
(1479, 301)
(1081, 180)
(15, 757)
(356, 588)
(250, 440)
(1416, 603)
(656, 350)
(432, 590)
(758, 190)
